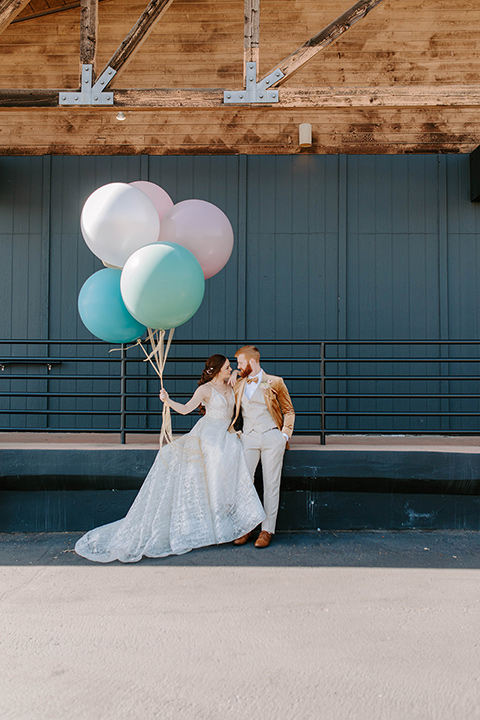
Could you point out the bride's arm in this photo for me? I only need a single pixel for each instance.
(201, 394)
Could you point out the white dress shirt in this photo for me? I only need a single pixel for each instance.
(251, 387)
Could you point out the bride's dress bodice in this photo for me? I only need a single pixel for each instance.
(219, 406)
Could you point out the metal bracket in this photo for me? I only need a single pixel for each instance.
(89, 95)
(255, 92)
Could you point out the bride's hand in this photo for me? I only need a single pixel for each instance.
(164, 396)
(233, 378)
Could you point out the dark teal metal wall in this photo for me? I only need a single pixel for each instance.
(327, 247)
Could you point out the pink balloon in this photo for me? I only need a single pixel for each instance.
(161, 199)
(202, 228)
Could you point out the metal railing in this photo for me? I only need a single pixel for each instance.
(384, 387)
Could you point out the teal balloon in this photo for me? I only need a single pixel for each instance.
(162, 285)
(103, 311)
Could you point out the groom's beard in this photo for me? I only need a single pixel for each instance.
(246, 371)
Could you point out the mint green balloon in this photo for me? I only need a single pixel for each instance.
(162, 285)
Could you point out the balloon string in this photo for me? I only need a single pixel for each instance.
(139, 342)
(157, 359)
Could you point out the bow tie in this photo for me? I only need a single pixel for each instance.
(250, 380)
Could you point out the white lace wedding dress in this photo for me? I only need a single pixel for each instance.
(198, 492)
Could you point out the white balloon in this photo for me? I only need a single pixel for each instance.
(118, 219)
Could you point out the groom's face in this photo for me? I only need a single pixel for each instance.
(243, 364)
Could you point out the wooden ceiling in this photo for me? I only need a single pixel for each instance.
(404, 78)
(37, 8)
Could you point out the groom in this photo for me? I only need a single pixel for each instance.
(268, 419)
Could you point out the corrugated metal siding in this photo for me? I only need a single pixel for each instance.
(463, 273)
(222, 314)
(292, 260)
(71, 263)
(327, 247)
(23, 281)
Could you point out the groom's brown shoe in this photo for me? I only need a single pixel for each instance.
(263, 539)
(244, 539)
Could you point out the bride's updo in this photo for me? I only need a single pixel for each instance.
(212, 367)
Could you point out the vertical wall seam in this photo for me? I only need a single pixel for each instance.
(242, 246)
(46, 243)
(443, 278)
(46, 265)
(443, 246)
(342, 186)
(342, 248)
(145, 167)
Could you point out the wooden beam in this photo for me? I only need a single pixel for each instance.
(415, 96)
(88, 34)
(251, 35)
(9, 10)
(391, 96)
(50, 11)
(137, 35)
(291, 64)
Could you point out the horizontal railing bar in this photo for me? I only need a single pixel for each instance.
(314, 431)
(300, 413)
(303, 378)
(68, 430)
(238, 342)
(79, 395)
(331, 396)
(73, 377)
(62, 360)
(56, 361)
(378, 378)
(151, 376)
(440, 361)
(48, 411)
(398, 433)
(142, 413)
(30, 361)
(349, 413)
(381, 396)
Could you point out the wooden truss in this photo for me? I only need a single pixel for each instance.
(360, 97)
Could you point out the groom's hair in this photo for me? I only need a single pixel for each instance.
(250, 351)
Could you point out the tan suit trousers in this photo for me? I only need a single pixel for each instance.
(269, 447)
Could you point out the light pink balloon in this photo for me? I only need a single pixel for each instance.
(161, 199)
(202, 228)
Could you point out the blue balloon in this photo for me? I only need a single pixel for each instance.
(162, 285)
(103, 311)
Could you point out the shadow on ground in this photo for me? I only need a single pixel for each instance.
(375, 549)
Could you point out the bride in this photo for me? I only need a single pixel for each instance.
(198, 491)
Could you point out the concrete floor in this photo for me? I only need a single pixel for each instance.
(341, 626)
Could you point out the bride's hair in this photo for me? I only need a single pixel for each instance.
(212, 367)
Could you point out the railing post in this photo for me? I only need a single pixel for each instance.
(322, 392)
(123, 387)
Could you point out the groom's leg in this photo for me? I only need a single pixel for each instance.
(273, 450)
(252, 444)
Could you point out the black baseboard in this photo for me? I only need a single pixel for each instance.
(76, 489)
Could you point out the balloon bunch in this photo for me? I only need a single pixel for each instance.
(157, 257)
